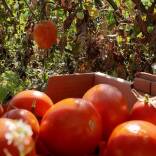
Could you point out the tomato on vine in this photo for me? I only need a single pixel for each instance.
(45, 34)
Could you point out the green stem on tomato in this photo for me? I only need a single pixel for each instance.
(146, 99)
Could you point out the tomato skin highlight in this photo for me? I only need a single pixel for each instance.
(143, 111)
(32, 100)
(132, 138)
(6, 126)
(111, 105)
(27, 117)
(72, 127)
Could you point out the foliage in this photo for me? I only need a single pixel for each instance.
(116, 37)
(10, 84)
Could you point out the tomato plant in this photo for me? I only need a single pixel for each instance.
(32, 100)
(25, 116)
(110, 103)
(140, 135)
(71, 127)
(16, 138)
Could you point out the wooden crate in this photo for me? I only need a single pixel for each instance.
(75, 85)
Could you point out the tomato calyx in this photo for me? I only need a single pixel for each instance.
(146, 99)
(33, 106)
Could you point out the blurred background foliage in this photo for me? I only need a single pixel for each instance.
(117, 37)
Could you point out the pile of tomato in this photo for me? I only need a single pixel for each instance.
(97, 124)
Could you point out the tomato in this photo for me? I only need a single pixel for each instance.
(15, 138)
(72, 127)
(5, 108)
(41, 148)
(102, 148)
(35, 101)
(32, 153)
(111, 105)
(144, 109)
(132, 138)
(45, 34)
(1, 110)
(25, 116)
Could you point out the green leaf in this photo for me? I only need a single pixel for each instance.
(150, 28)
(10, 84)
(147, 3)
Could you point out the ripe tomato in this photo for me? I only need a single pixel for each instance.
(102, 148)
(15, 138)
(1, 110)
(72, 127)
(32, 153)
(26, 116)
(144, 109)
(45, 34)
(132, 138)
(111, 105)
(41, 148)
(35, 101)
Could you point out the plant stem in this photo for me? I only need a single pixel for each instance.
(30, 10)
(7, 7)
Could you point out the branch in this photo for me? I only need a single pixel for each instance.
(67, 23)
(30, 9)
(113, 4)
(142, 24)
(7, 7)
(153, 36)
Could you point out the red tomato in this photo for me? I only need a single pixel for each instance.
(41, 148)
(5, 108)
(32, 153)
(25, 116)
(111, 105)
(1, 110)
(72, 127)
(102, 148)
(15, 138)
(132, 138)
(45, 34)
(35, 101)
(144, 109)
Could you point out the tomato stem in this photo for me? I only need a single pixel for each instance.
(146, 99)
(33, 106)
(141, 98)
